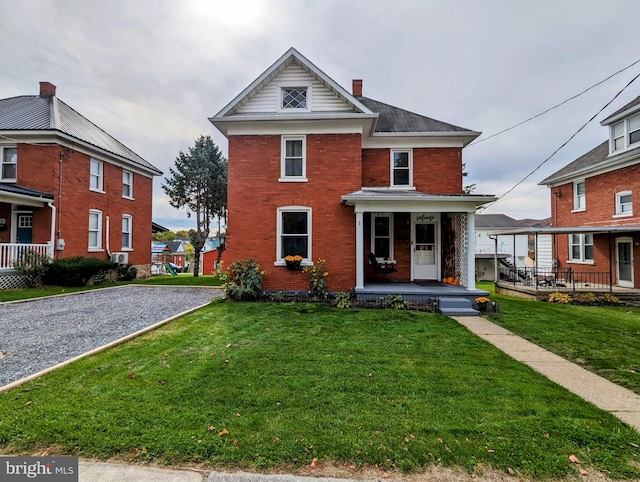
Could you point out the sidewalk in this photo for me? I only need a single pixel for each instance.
(604, 394)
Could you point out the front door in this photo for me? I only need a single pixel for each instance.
(624, 262)
(24, 233)
(426, 247)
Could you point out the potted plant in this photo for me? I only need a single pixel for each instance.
(483, 303)
(293, 262)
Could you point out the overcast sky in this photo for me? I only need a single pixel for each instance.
(151, 72)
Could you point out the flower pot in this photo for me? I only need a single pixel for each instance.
(293, 265)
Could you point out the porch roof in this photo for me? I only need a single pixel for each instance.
(629, 228)
(16, 194)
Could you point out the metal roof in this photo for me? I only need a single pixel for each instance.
(630, 228)
(23, 191)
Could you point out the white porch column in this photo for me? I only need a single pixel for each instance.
(359, 250)
(471, 251)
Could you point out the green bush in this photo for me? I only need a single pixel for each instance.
(127, 272)
(343, 299)
(397, 302)
(76, 271)
(33, 266)
(242, 280)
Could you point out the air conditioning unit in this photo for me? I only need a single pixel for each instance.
(120, 258)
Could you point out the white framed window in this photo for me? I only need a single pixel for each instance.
(581, 248)
(624, 206)
(382, 235)
(634, 129)
(579, 196)
(95, 175)
(95, 230)
(401, 168)
(293, 234)
(127, 223)
(9, 159)
(293, 164)
(624, 134)
(295, 97)
(617, 137)
(127, 184)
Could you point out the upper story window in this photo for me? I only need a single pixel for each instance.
(127, 184)
(95, 175)
(581, 248)
(126, 231)
(294, 233)
(95, 230)
(382, 235)
(624, 207)
(401, 168)
(9, 158)
(625, 134)
(293, 164)
(295, 98)
(634, 129)
(579, 196)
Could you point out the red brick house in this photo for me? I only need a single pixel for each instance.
(594, 202)
(67, 188)
(320, 172)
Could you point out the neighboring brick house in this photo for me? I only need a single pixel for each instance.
(595, 199)
(320, 172)
(67, 188)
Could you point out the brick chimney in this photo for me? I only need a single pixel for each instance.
(356, 87)
(47, 89)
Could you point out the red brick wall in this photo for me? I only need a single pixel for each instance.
(39, 167)
(435, 170)
(334, 168)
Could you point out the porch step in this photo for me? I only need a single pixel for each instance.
(452, 306)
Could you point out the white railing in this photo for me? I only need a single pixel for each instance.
(11, 252)
(486, 248)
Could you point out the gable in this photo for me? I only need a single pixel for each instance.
(268, 99)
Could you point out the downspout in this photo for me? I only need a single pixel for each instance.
(107, 240)
(52, 239)
(495, 258)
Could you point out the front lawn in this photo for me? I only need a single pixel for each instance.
(602, 339)
(276, 385)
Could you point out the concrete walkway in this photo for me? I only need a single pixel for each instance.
(604, 394)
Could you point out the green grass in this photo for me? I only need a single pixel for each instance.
(183, 279)
(24, 294)
(290, 382)
(602, 339)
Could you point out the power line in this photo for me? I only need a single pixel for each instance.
(478, 141)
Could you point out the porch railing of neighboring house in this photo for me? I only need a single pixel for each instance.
(557, 279)
(11, 252)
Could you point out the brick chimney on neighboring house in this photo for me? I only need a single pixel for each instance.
(356, 87)
(47, 89)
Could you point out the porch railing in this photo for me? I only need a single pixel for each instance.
(12, 252)
(557, 278)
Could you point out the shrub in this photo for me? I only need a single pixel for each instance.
(33, 266)
(611, 299)
(585, 298)
(317, 279)
(396, 302)
(343, 299)
(76, 271)
(558, 297)
(242, 280)
(127, 272)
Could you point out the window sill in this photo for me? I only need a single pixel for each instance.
(578, 210)
(577, 261)
(97, 190)
(304, 262)
(623, 215)
(96, 250)
(129, 198)
(13, 181)
(293, 179)
(402, 188)
(126, 249)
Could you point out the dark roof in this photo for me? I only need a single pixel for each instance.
(394, 119)
(36, 113)
(631, 104)
(174, 246)
(157, 228)
(497, 221)
(13, 189)
(591, 158)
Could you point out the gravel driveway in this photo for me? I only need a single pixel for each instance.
(38, 334)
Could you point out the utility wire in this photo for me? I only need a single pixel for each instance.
(568, 140)
(478, 141)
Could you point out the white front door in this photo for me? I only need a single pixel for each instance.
(426, 246)
(624, 262)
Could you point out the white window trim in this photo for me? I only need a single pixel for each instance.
(391, 169)
(582, 259)
(618, 212)
(100, 188)
(130, 196)
(297, 85)
(130, 217)
(626, 134)
(283, 154)
(99, 247)
(8, 179)
(373, 232)
(308, 261)
(628, 131)
(575, 196)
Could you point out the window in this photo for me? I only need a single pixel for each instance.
(623, 204)
(382, 235)
(579, 196)
(581, 248)
(401, 173)
(634, 129)
(127, 184)
(294, 98)
(294, 233)
(293, 164)
(95, 230)
(95, 175)
(617, 133)
(9, 158)
(126, 231)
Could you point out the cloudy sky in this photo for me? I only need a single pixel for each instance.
(150, 72)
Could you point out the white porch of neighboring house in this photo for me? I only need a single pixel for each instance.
(17, 206)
